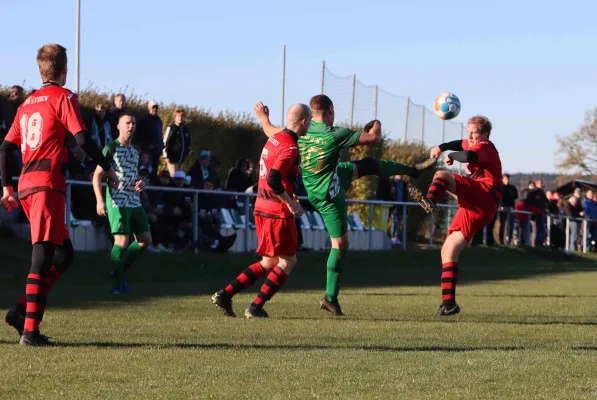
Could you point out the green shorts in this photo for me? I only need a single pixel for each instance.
(127, 220)
(333, 210)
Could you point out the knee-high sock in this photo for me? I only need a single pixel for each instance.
(437, 190)
(51, 279)
(245, 279)
(335, 265)
(117, 256)
(449, 279)
(133, 252)
(274, 281)
(389, 168)
(36, 291)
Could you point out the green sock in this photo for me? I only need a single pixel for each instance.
(132, 253)
(334, 270)
(118, 253)
(389, 168)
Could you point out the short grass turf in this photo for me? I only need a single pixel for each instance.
(527, 330)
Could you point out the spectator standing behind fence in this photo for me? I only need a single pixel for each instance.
(101, 131)
(590, 212)
(509, 196)
(177, 142)
(525, 192)
(523, 220)
(573, 209)
(9, 109)
(148, 136)
(16, 97)
(555, 202)
(118, 108)
(538, 198)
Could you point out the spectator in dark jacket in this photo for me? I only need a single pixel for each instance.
(148, 136)
(204, 177)
(238, 177)
(177, 142)
(553, 207)
(573, 209)
(117, 109)
(101, 130)
(8, 110)
(509, 196)
(538, 198)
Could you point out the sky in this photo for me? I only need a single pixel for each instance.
(527, 65)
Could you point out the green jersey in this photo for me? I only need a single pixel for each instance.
(125, 162)
(320, 153)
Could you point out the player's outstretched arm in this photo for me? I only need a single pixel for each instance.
(91, 149)
(455, 145)
(262, 113)
(371, 133)
(464, 156)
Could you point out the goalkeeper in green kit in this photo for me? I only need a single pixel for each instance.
(326, 179)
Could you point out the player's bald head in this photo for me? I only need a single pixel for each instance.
(298, 112)
(299, 118)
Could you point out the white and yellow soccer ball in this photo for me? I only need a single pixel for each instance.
(446, 106)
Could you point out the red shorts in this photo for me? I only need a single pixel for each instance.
(276, 236)
(477, 207)
(45, 212)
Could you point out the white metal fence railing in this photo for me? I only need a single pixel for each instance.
(573, 227)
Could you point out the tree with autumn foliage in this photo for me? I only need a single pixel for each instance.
(578, 150)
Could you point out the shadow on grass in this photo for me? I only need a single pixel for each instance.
(166, 274)
(278, 347)
(458, 320)
(490, 296)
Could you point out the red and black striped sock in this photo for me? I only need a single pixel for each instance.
(37, 294)
(437, 190)
(449, 279)
(245, 279)
(51, 279)
(274, 281)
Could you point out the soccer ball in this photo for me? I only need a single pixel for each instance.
(446, 106)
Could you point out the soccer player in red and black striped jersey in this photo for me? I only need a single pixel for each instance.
(275, 209)
(479, 196)
(39, 130)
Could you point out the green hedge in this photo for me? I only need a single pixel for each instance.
(228, 135)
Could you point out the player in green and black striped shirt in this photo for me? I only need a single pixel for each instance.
(123, 205)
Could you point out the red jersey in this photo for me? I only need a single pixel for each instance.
(40, 128)
(280, 153)
(488, 169)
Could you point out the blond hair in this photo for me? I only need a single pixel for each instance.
(51, 60)
(482, 122)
